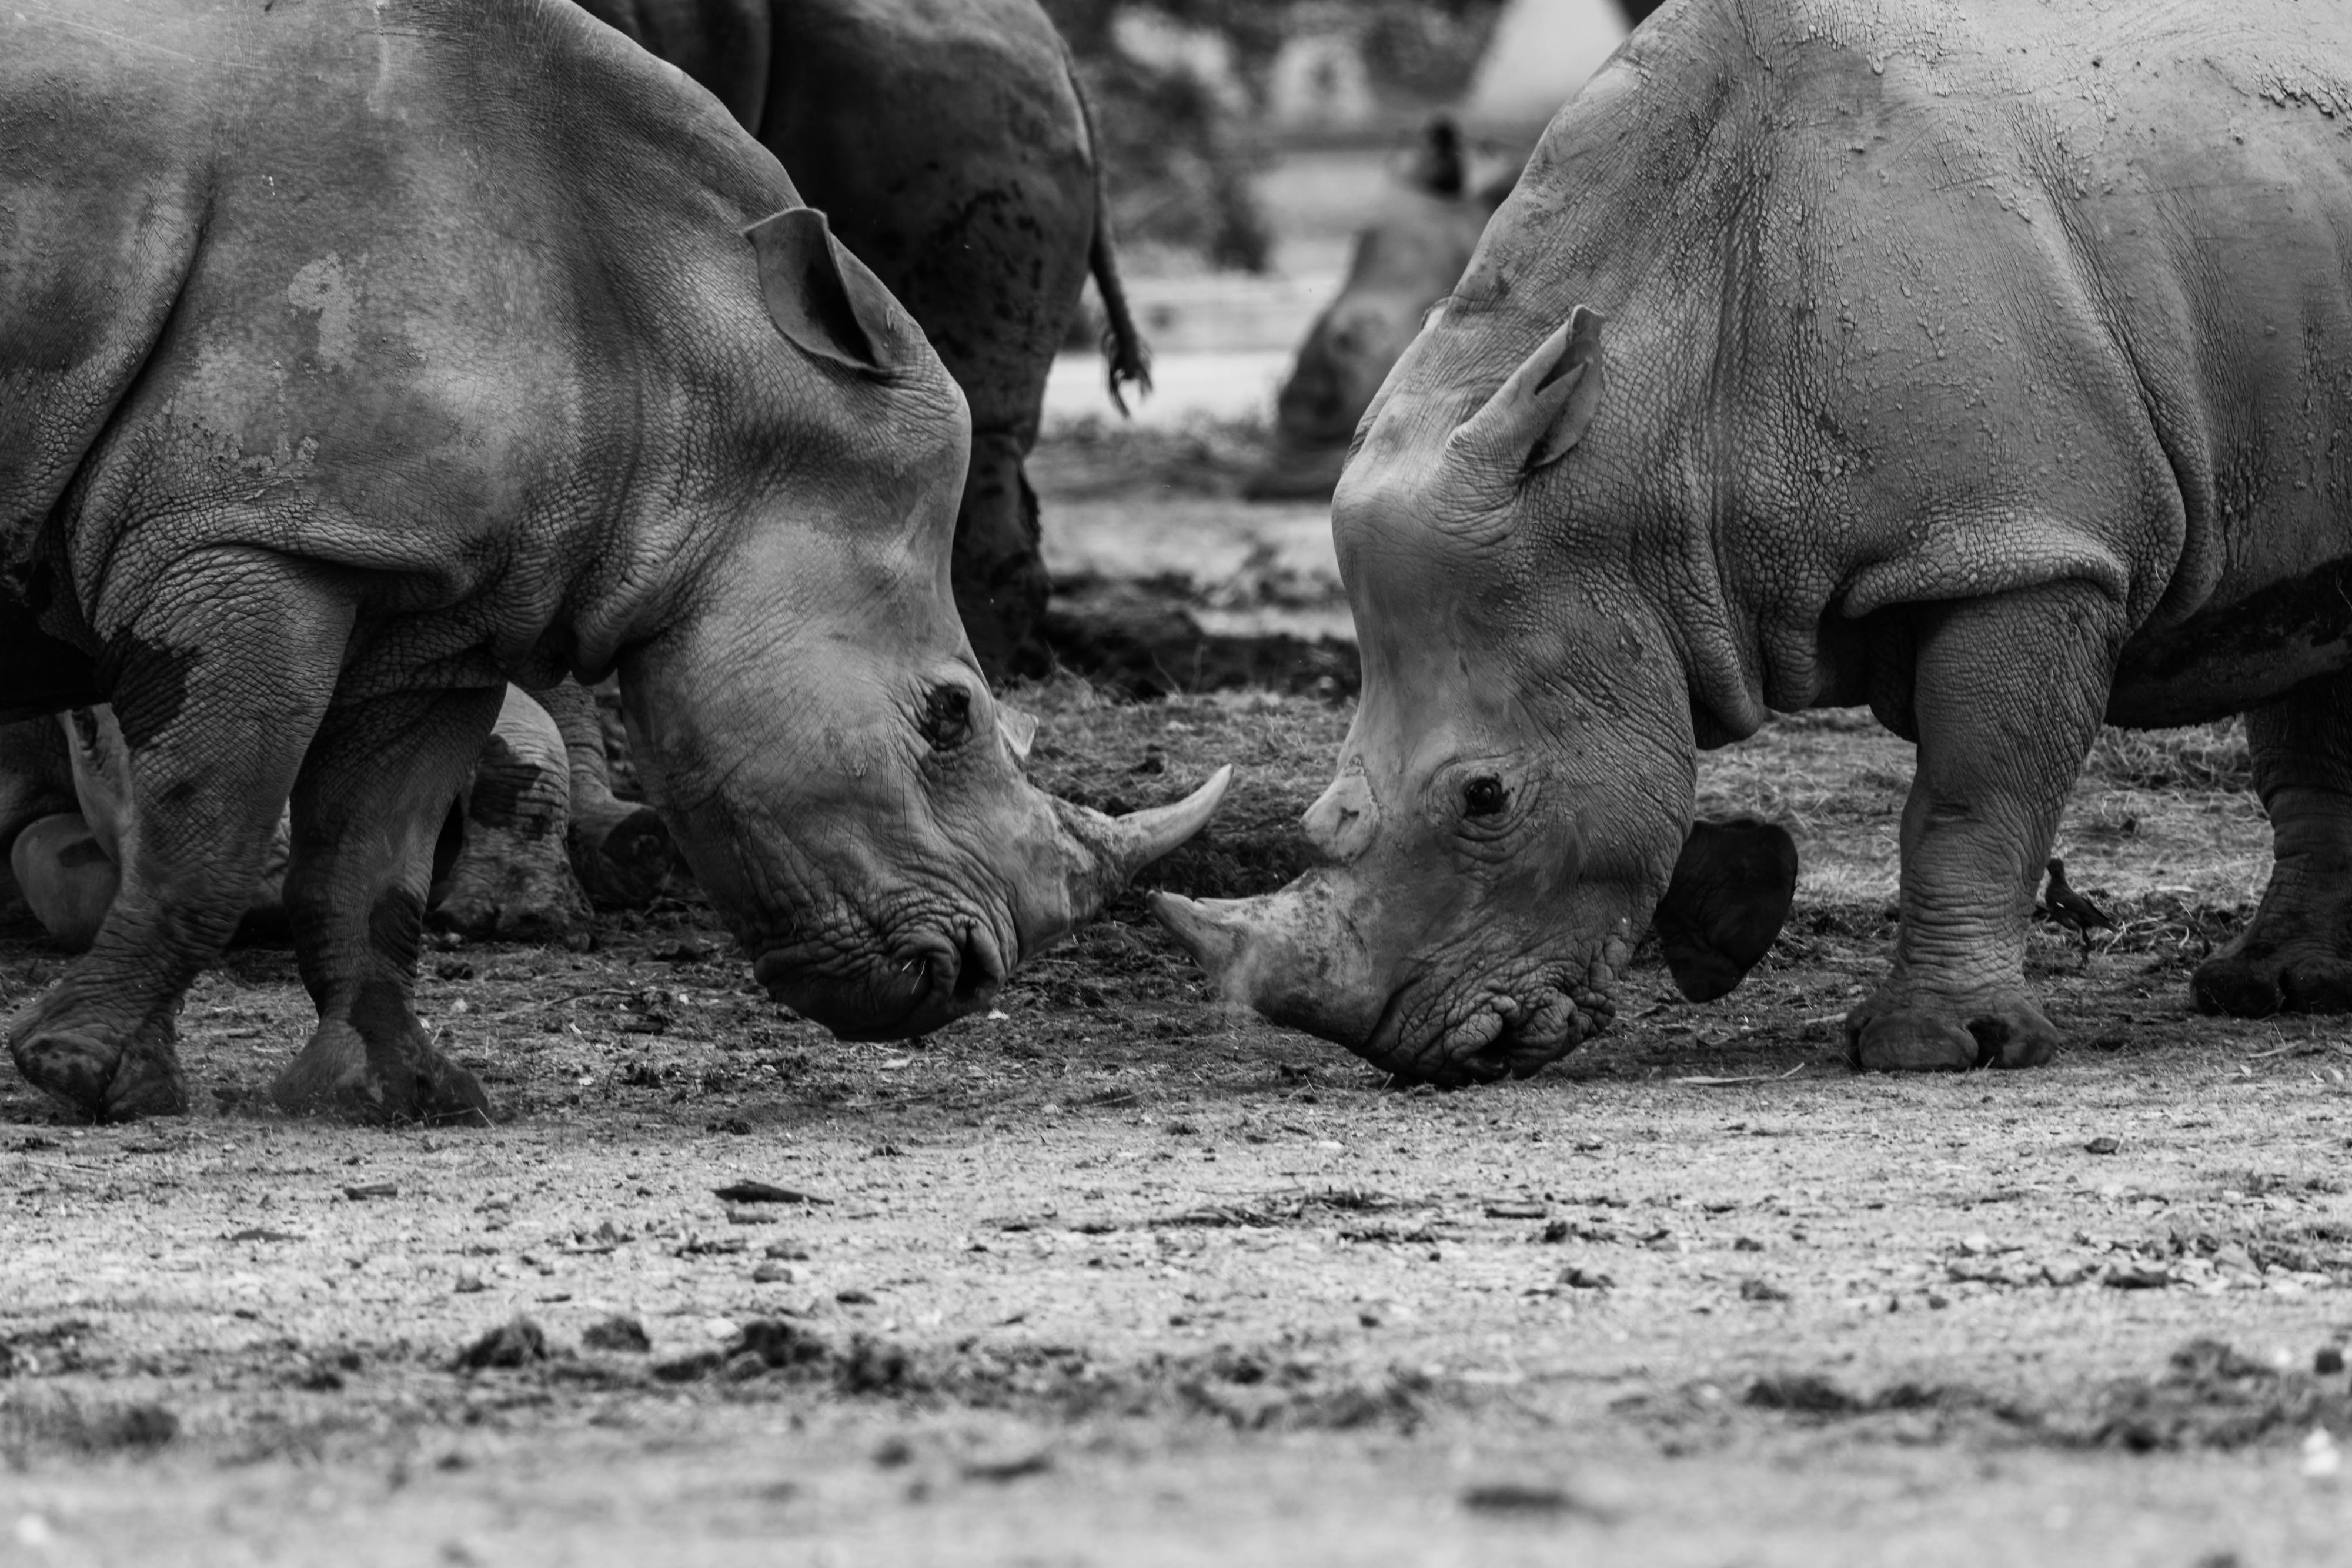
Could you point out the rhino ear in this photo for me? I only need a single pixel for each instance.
(1541, 411)
(822, 299)
(1730, 894)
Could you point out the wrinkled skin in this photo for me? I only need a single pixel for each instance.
(1981, 362)
(451, 359)
(1402, 262)
(948, 144)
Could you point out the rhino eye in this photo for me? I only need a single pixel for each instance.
(947, 717)
(1483, 798)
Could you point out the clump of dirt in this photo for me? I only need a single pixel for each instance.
(2210, 1396)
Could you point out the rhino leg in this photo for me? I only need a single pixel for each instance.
(2007, 695)
(620, 850)
(512, 876)
(2295, 954)
(368, 809)
(218, 694)
(1001, 583)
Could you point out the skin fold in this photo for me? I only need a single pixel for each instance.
(356, 358)
(1978, 361)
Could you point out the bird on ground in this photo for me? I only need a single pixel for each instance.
(2072, 910)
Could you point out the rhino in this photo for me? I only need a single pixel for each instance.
(1984, 361)
(1402, 262)
(357, 356)
(952, 148)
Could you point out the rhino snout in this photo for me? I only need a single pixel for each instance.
(924, 983)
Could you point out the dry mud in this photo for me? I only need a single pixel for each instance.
(1112, 1276)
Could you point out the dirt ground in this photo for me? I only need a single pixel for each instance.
(1111, 1276)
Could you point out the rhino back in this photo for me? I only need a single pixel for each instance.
(439, 284)
(1913, 301)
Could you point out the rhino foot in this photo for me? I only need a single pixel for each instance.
(2301, 978)
(95, 1078)
(621, 853)
(396, 1077)
(1901, 1030)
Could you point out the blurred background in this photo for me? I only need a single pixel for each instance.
(1254, 149)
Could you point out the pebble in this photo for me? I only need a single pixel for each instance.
(2328, 1361)
(2102, 1145)
(771, 1274)
(1578, 1277)
(469, 1283)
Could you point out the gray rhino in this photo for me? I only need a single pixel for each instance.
(950, 147)
(1402, 262)
(1985, 362)
(356, 355)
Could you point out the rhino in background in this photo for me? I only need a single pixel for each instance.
(1401, 263)
(1984, 361)
(948, 144)
(481, 344)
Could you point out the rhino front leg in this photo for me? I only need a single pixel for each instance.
(620, 850)
(2006, 697)
(367, 809)
(218, 688)
(2295, 954)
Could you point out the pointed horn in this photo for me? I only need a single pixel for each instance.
(1121, 846)
(1212, 930)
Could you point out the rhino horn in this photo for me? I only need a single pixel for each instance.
(1212, 930)
(1113, 848)
(1292, 955)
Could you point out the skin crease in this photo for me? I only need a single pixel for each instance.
(947, 142)
(325, 409)
(1981, 362)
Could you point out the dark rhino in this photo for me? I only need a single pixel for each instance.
(1988, 362)
(358, 354)
(1402, 262)
(950, 146)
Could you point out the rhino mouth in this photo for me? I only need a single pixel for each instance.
(1498, 1033)
(922, 983)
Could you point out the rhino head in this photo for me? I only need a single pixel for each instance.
(809, 715)
(1514, 799)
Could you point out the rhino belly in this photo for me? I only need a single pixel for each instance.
(2234, 655)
